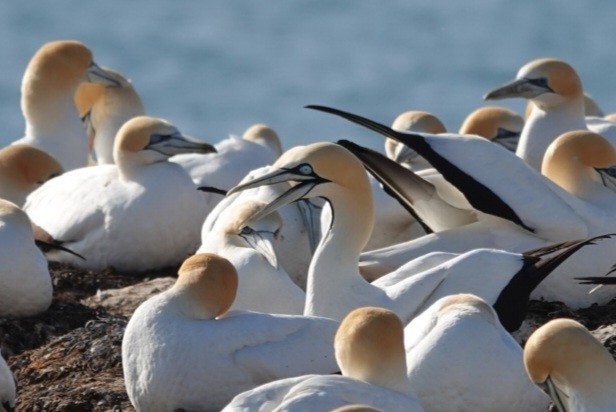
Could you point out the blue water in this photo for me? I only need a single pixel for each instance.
(216, 67)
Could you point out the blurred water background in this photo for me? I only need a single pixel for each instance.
(216, 67)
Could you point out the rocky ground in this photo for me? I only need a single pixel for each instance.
(69, 358)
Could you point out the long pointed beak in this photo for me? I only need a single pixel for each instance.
(555, 393)
(295, 193)
(311, 214)
(262, 242)
(96, 74)
(271, 178)
(526, 88)
(179, 144)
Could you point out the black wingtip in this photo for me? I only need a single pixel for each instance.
(46, 246)
(596, 280)
(373, 162)
(211, 189)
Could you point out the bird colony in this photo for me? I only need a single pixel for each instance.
(329, 276)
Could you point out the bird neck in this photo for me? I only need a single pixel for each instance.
(334, 266)
(544, 125)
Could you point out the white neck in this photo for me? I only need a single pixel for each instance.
(544, 126)
(335, 286)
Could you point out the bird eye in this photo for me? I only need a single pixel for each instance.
(246, 230)
(305, 169)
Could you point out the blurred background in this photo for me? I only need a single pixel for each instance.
(215, 67)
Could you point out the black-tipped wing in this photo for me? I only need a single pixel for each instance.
(413, 192)
(513, 300)
(492, 179)
(481, 197)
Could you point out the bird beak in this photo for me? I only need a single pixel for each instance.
(555, 393)
(179, 144)
(311, 213)
(297, 192)
(96, 74)
(526, 88)
(608, 176)
(276, 176)
(263, 243)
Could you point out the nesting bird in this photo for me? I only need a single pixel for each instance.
(23, 168)
(183, 350)
(139, 214)
(574, 368)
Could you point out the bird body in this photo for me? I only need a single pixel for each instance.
(182, 349)
(140, 214)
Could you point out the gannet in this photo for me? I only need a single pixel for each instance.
(25, 283)
(370, 352)
(7, 387)
(249, 245)
(183, 350)
(47, 91)
(578, 373)
(507, 219)
(139, 214)
(498, 124)
(23, 168)
(300, 231)
(104, 109)
(259, 146)
(555, 89)
(460, 358)
(335, 286)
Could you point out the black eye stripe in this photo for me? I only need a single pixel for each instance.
(157, 138)
(541, 82)
(246, 230)
(505, 133)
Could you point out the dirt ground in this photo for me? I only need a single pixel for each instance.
(69, 358)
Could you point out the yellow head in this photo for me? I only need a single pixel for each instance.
(57, 65)
(28, 165)
(486, 122)
(574, 155)
(369, 346)
(418, 121)
(209, 282)
(264, 135)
